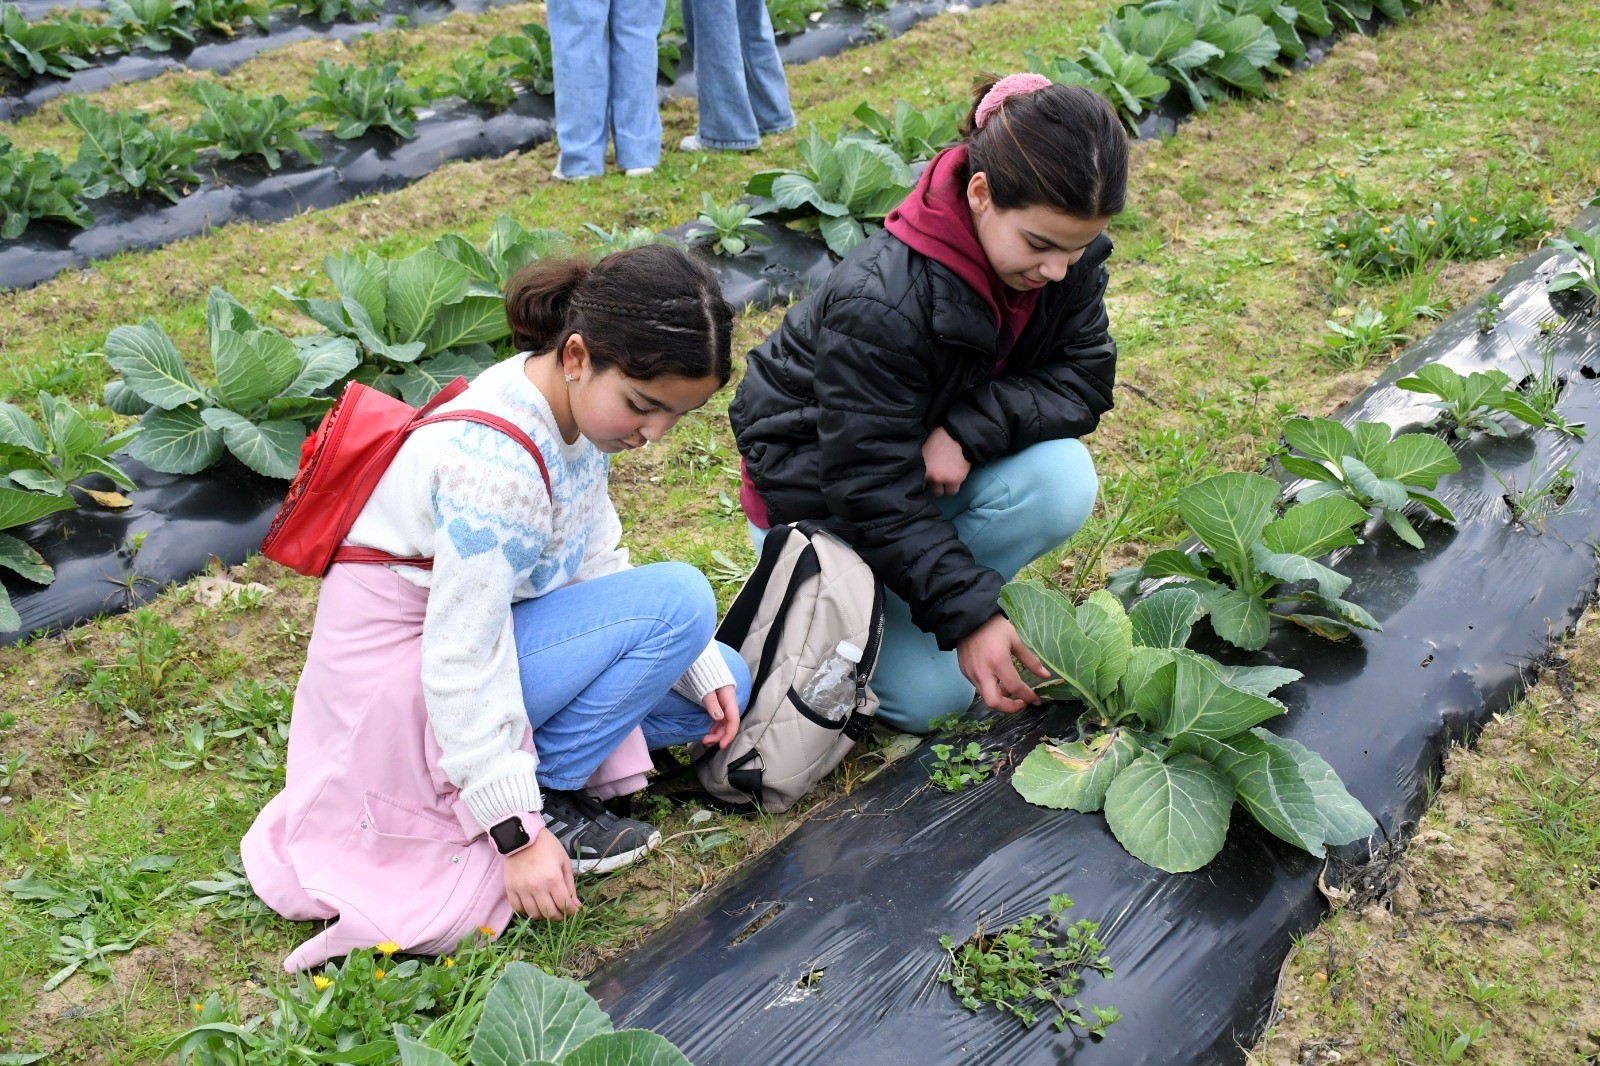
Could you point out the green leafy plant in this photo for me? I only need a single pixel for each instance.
(1122, 76)
(1378, 248)
(240, 125)
(910, 133)
(618, 238)
(1363, 464)
(510, 247)
(37, 187)
(152, 669)
(529, 55)
(267, 386)
(1541, 388)
(1472, 402)
(728, 228)
(1247, 553)
(1245, 45)
(1585, 276)
(956, 768)
(11, 772)
(477, 81)
(122, 151)
(846, 189)
(18, 507)
(49, 47)
(71, 447)
(1488, 312)
(82, 947)
(226, 16)
(228, 896)
(359, 99)
(1538, 499)
(670, 41)
(417, 323)
(333, 10)
(1168, 43)
(791, 16)
(1169, 738)
(1369, 333)
(1028, 966)
(152, 24)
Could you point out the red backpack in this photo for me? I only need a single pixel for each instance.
(340, 465)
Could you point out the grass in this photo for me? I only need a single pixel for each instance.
(1485, 950)
(1218, 302)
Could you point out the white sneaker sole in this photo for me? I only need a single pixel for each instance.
(607, 863)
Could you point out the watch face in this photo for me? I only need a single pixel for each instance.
(508, 835)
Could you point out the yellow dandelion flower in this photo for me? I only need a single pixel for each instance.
(1470, 219)
(1391, 247)
(485, 930)
(378, 975)
(388, 947)
(197, 1006)
(1341, 173)
(321, 982)
(1386, 229)
(448, 962)
(1431, 222)
(1342, 245)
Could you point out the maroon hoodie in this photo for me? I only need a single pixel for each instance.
(936, 221)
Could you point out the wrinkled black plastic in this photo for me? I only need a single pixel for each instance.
(863, 889)
(240, 191)
(100, 566)
(786, 266)
(220, 54)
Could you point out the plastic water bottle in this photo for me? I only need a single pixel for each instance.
(831, 692)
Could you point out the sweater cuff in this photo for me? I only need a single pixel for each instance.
(709, 673)
(495, 801)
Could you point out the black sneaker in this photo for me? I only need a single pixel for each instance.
(597, 840)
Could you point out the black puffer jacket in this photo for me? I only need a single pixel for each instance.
(837, 402)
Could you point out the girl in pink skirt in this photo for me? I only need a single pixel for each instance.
(455, 728)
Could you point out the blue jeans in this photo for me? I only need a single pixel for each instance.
(1008, 514)
(600, 657)
(604, 53)
(738, 76)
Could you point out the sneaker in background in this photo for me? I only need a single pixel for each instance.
(596, 840)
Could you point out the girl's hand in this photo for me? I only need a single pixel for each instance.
(984, 656)
(947, 467)
(539, 880)
(723, 707)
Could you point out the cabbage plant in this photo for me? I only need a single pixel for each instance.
(1170, 739)
(1366, 466)
(418, 322)
(1469, 402)
(267, 386)
(531, 1018)
(845, 190)
(1247, 552)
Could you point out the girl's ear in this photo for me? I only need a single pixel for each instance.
(979, 199)
(574, 357)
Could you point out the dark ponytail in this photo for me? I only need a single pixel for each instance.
(1061, 147)
(648, 312)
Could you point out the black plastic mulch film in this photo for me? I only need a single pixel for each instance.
(376, 162)
(862, 891)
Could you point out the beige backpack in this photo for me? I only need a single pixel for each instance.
(809, 592)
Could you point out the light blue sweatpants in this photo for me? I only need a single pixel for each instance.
(1008, 513)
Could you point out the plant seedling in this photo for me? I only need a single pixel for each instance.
(11, 769)
(1369, 468)
(1472, 402)
(37, 187)
(70, 448)
(82, 948)
(957, 768)
(1585, 276)
(238, 125)
(1541, 388)
(475, 80)
(1247, 553)
(846, 189)
(911, 133)
(364, 98)
(1488, 312)
(123, 152)
(1111, 69)
(1169, 739)
(510, 247)
(1029, 966)
(1368, 334)
(1537, 500)
(529, 56)
(152, 24)
(728, 228)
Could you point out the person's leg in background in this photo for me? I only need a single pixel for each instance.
(726, 121)
(1008, 513)
(764, 81)
(578, 49)
(635, 111)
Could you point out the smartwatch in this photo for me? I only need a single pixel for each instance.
(511, 834)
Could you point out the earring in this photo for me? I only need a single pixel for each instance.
(569, 377)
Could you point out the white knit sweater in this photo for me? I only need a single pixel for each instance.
(473, 499)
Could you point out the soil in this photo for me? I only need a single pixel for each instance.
(1462, 899)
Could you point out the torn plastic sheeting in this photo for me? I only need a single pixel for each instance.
(865, 887)
(787, 266)
(223, 512)
(351, 169)
(220, 54)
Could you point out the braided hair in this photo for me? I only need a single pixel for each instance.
(648, 312)
(1061, 147)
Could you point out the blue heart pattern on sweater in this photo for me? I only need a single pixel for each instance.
(470, 541)
(522, 555)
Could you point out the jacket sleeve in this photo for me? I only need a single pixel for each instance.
(872, 396)
(1063, 396)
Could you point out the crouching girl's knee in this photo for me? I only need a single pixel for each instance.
(685, 599)
(1063, 489)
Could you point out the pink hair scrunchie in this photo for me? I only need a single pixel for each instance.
(1004, 89)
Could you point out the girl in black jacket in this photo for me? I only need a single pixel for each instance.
(927, 401)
